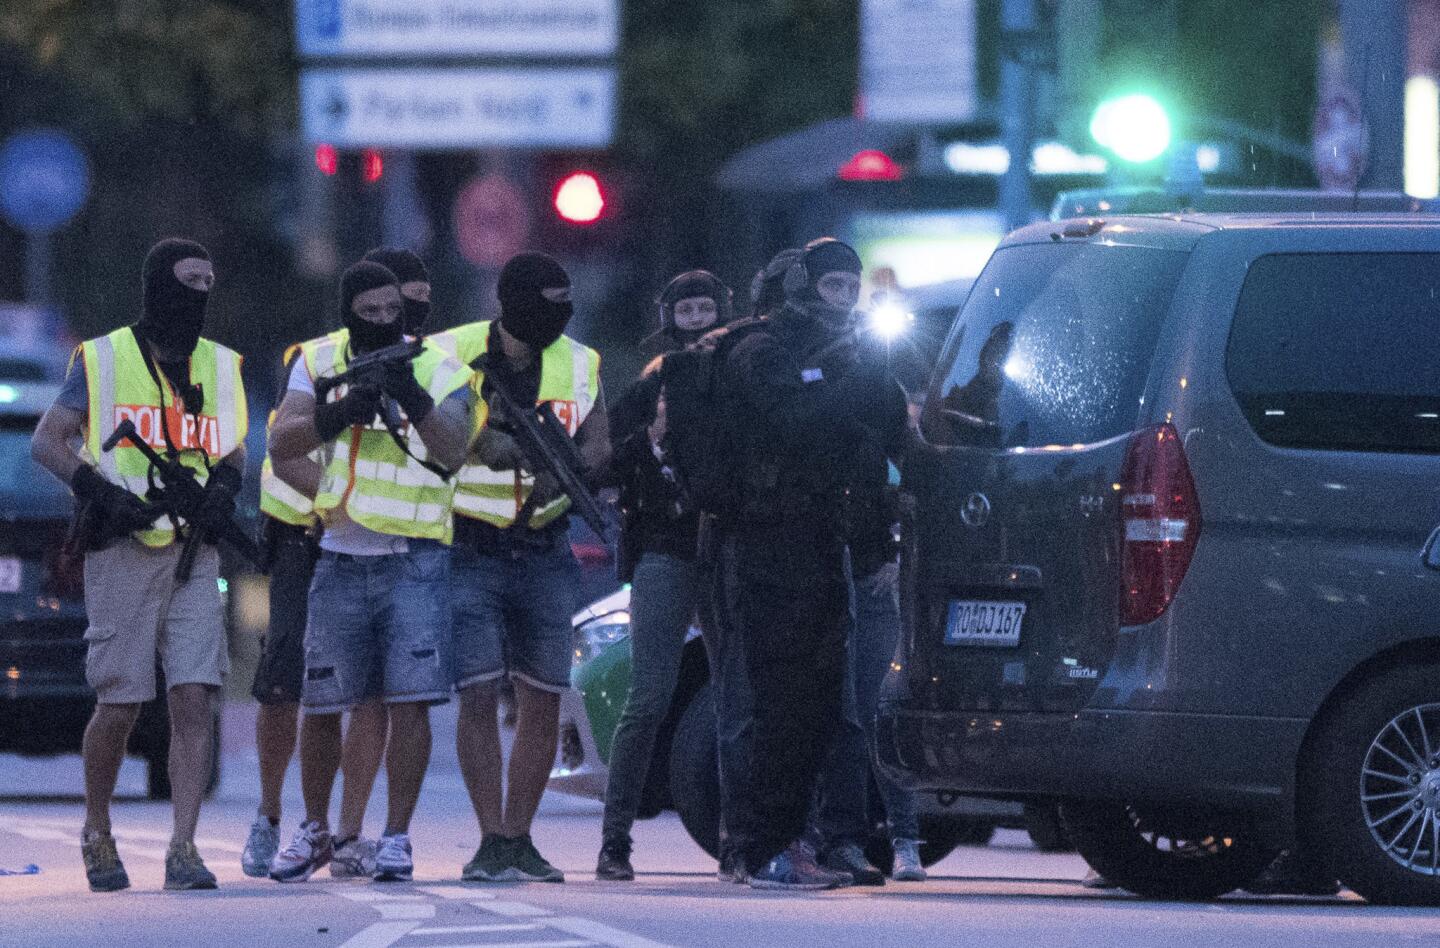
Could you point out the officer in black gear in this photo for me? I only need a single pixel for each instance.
(658, 554)
(691, 305)
(811, 414)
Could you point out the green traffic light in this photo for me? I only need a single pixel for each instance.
(1134, 127)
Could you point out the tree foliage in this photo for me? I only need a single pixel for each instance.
(185, 60)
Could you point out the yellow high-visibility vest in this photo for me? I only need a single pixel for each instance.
(569, 381)
(121, 387)
(277, 498)
(367, 474)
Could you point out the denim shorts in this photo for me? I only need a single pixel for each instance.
(378, 626)
(513, 612)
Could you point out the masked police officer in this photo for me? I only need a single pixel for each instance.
(378, 618)
(660, 543)
(184, 394)
(515, 577)
(812, 413)
(291, 534)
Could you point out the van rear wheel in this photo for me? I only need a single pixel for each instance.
(1369, 794)
(1164, 855)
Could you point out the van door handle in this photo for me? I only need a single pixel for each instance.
(1432, 550)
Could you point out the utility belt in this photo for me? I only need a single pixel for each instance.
(511, 542)
(277, 534)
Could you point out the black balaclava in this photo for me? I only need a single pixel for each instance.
(767, 289)
(173, 314)
(819, 257)
(690, 284)
(366, 336)
(408, 268)
(525, 311)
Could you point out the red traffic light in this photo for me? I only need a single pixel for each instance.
(870, 165)
(372, 166)
(579, 198)
(327, 159)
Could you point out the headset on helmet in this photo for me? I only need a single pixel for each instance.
(798, 277)
(694, 283)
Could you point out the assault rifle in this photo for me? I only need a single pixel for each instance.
(547, 446)
(180, 495)
(369, 369)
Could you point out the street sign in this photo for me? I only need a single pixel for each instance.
(526, 107)
(492, 221)
(917, 60)
(429, 28)
(1342, 143)
(44, 180)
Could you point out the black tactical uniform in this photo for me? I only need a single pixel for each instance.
(811, 413)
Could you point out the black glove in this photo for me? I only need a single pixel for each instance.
(120, 512)
(359, 407)
(399, 383)
(217, 504)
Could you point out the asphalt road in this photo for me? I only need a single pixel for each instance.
(1006, 894)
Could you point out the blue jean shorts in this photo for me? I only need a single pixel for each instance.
(512, 614)
(378, 626)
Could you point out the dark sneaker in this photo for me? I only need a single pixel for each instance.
(353, 858)
(184, 869)
(614, 863)
(393, 861)
(732, 869)
(260, 847)
(1291, 874)
(308, 852)
(807, 861)
(793, 870)
(908, 867)
(527, 861)
(491, 862)
(849, 858)
(103, 868)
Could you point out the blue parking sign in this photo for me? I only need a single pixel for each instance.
(44, 180)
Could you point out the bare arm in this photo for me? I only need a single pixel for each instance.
(446, 433)
(593, 440)
(293, 436)
(50, 446)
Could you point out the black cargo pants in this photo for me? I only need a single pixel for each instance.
(787, 595)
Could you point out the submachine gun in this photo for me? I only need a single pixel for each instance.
(368, 369)
(179, 494)
(546, 444)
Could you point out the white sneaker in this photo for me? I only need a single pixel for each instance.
(393, 862)
(354, 859)
(308, 851)
(908, 867)
(260, 848)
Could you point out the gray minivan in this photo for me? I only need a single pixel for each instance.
(1170, 548)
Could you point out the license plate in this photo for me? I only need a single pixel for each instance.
(9, 574)
(984, 622)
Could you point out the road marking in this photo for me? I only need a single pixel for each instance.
(462, 892)
(511, 909)
(369, 896)
(380, 935)
(526, 944)
(404, 909)
(41, 833)
(478, 929)
(604, 934)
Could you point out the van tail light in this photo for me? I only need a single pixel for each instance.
(1161, 512)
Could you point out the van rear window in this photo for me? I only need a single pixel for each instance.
(1340, 351)
(1053, 346)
